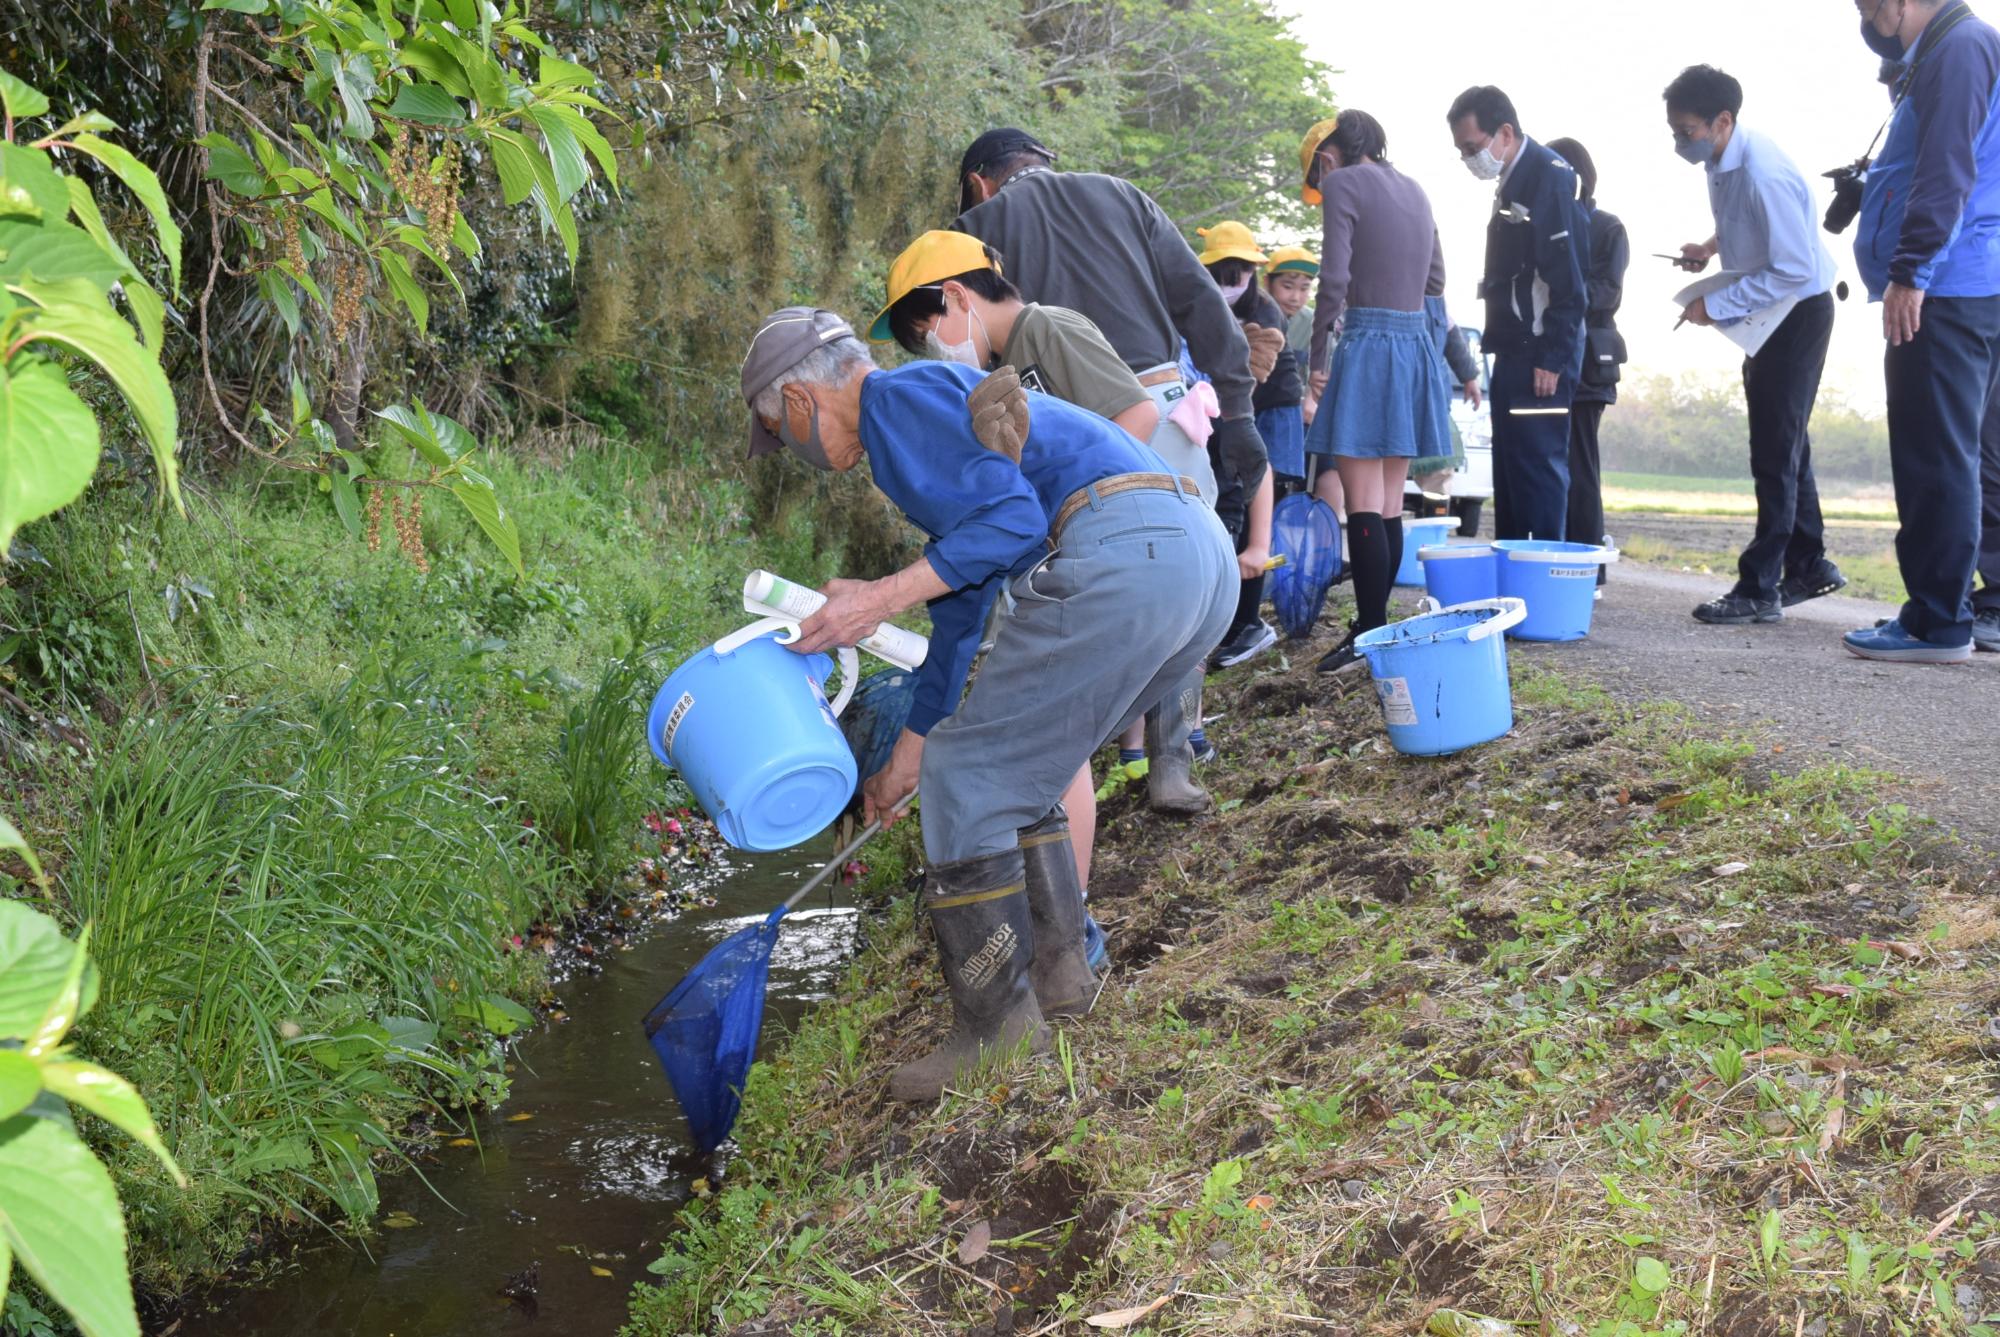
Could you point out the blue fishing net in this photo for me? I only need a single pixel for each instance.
(875, 717)
(1304, 529)
(705, 1031)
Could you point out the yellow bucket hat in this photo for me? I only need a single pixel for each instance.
(1308, 147)
(1293, 260)
(930, 258)
(1229, 241)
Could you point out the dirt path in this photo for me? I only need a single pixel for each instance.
(1792, 683)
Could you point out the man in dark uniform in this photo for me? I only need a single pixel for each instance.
(1101, 246)
(1537, 252)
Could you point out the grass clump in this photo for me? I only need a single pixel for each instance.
(1605, 1028)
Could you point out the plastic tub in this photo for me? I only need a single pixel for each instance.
(747, 724)
(1460, 573)
(1417, 534)
(1442, 677)
(1558, 582)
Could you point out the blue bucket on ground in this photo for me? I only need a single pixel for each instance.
(1442, 677)
(1460, 573)
(747, 724)
(1558, 582)
(1419, 533)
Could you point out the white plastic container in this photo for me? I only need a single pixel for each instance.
(769, 595)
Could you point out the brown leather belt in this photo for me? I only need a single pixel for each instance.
(1164, 376)
(1111, 487)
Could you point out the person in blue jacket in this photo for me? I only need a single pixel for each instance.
(1116, 582)
(1537, 252)
(1928, 246)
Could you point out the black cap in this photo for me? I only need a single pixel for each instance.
(990, 148)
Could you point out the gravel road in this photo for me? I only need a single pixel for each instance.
(1792, 684)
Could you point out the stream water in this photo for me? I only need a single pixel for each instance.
(585, 1184)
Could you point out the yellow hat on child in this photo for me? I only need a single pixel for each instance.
(1293, 260)
(1229, 241)
(931, 258)
(1308, 149)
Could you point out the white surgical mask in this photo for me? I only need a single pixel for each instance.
(1232, 293)
(1483, 164)
(966, 353)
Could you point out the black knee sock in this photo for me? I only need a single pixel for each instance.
(1368, 549)
(1394, 529)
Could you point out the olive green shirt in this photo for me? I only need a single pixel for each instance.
(1058, 352)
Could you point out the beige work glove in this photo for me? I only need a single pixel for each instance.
(999, 409)
(1265, 347)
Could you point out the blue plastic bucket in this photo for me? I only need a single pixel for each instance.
(1460, 573)
(1419, 533)
(1442, 677)
(1558, 582)
(747, 724)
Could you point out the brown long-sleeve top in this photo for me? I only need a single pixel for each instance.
(1380, 247)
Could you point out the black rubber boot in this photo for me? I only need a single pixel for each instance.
(1065, 986)
(1170, 786)
(979, 908)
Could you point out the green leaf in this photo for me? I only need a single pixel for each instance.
(411, 1035)
(321, 203)
(239, 6)
(59, 1216)
(585, 133)
(566, 229)
(50, 253)
(483, 503)
(416, 432)
(149, 313)
(447, 432)
(19, 99)
(236, 170)
(112, 1099)
(32, 171)
(1651, 1275)
(416, 240)
(354, 78)
(426, 104)
(139, 179)
(467, 241)
(48, 451)
(1768, 1235)
(10, 836)
(406, 288)
(89, 120)
(556, 73)
(499, 1014)
(65, 1009)
(517, 160)
(346, 501)
(98, 334)
(564, 152)
(436, 64)
(277, 289)
(35, 959)
(20, 1082)
(83, 205)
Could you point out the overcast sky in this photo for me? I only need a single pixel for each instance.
(1593, 70)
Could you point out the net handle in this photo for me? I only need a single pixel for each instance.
(846, 852)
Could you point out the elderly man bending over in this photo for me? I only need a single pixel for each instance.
(1116, 582)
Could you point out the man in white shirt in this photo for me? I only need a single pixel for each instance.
(1767, 232)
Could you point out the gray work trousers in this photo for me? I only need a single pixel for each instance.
(1142, 587)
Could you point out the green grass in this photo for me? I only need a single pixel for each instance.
(1639, 482)
(1869, 576)
(1604, 1028)
(309, 794)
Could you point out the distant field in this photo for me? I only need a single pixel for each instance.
(1732, 496)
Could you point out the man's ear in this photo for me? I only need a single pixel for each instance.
(798, 401)
(978, 187)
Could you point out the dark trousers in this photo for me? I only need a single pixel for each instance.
(1530, 452)
(1987, 597)
(1938, 383)
(1779, 387)
(1586, 473)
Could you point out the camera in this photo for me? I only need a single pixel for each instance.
(1846, 195)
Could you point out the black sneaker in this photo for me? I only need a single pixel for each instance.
(1796, 590)
(1986, 630)
(1343, 658)
(1735, 610)
(1246, 644)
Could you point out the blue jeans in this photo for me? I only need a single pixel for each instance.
(1938, 384)
(1530, 452)
(1140, 590)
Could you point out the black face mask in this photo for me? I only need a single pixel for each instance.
(1888, 48)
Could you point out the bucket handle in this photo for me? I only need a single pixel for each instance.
(1512, 612)
(850, 662)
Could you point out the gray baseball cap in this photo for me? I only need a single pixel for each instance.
(785, 337)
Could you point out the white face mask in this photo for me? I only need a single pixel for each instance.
(1232, 293)
(1483, 164)
(966, 353)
